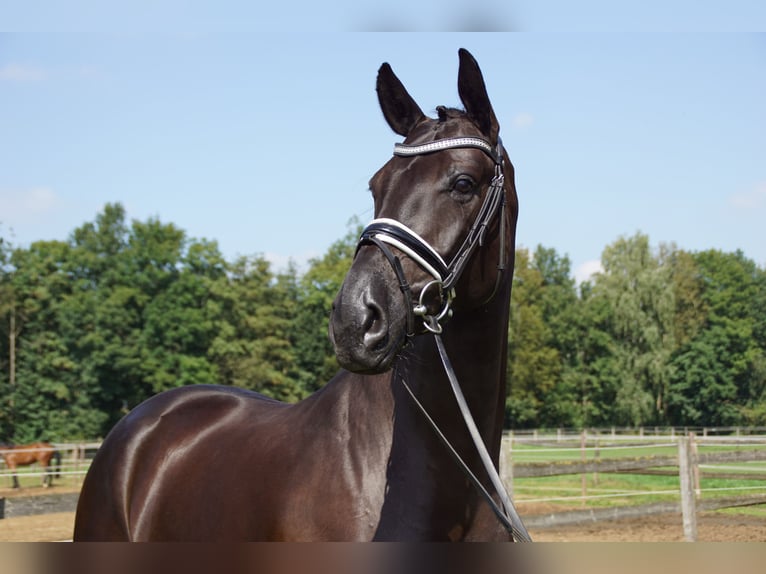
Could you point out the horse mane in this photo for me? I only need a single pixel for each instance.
(446, 113)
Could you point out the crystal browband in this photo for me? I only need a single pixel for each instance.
(407, 150)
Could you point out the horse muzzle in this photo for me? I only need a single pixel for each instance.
(368, 325)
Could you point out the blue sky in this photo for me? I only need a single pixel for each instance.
(265, 142)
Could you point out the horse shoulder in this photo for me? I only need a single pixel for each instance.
(341, 441)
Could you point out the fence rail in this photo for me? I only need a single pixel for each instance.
(643, 432)
(593, 453)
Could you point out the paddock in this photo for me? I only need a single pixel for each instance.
(591, 478)
(601, 485)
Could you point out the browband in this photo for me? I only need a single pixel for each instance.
(407, 150)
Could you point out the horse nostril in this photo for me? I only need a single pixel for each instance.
(375, 327)
(372, 316)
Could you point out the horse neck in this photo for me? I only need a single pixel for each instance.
(476, 344)
(427, 493)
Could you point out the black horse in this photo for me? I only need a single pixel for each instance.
(357, 460)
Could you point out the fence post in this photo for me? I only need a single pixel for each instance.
(695, 465)
(78, 453)
(583, 458)
(686, 466)
(506, 463)
(596, 458)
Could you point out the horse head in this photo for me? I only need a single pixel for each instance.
(445, 214)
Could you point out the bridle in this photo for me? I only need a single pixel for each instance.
(384, 232)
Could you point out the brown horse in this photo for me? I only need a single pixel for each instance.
(26, 454)
(357, 460)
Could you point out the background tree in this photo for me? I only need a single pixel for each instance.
(635, 286)
(534, 363)
(559, 304)
(593, 371)
(8, 333)
(122, 310)
(317, 290)
(49, 399)
(719, 374)
(252, 348)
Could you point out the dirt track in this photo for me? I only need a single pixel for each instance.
(712, 527)
(40, 528)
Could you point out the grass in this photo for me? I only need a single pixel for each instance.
(29, 477)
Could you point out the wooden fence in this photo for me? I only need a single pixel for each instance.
(687, 462)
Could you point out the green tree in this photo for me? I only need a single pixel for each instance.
(719, 374)
(179, 320)
(556, 350)
(49, 399)
(317, 290)
(92, 326)
(252, 347)
(635, 285)
(104, 318)
(594, 371)
(691, 309)
(703, 391)
(534, 364)
(8, 332)
(559, 304)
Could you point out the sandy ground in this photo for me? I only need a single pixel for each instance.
(712, 527)
(40, 528)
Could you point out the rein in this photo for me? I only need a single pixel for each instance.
(507, 515)
(385, 232)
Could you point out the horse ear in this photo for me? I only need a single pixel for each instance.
(473, 94)
(399, 109)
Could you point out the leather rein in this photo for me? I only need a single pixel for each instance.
(385, 233)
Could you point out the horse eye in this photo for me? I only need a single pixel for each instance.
(463, 185)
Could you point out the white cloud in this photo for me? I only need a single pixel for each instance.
(22, 204)
(523, 120)
(280, 262)
(755, 198)
(19, 73)
(585, 271)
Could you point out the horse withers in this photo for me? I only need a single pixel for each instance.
(26, 454)
(357, 460)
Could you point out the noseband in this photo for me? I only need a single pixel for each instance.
(384, 232)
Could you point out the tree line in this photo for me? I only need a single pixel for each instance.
(123, 310)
